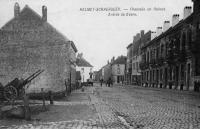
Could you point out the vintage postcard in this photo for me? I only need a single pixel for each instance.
(100, 64)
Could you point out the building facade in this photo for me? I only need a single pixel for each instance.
(128, 72)
(170, 60)
(118, 70)
(85, 68)
(107, 71)
(136, 58)
(28, 43)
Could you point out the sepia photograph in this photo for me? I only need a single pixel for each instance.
(99, 64)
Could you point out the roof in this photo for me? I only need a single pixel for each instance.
(31, 23)
(81, 62)
(170, 30)
(129, 45)
(120, 60)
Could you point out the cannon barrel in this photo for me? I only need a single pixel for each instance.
(30, 78)
(14, 88)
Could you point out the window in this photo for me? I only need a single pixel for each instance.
(182, 72)
(198, 25)
(137, 66)
(118, 69)
(82, 70)
(183, 41)
(162, 50)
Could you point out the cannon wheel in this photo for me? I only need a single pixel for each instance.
(10, 93)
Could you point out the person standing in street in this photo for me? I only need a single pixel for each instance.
(101, 81)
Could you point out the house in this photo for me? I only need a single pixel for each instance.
(85, 68)
(28, 43)
(118, 69)
(106, 70)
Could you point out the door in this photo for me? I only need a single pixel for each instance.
(188, 76)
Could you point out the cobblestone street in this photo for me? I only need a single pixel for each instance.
(130, 107)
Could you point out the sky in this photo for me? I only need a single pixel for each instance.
(99, 36)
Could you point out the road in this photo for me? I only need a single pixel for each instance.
(133, 107)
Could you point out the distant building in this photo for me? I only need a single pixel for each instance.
(28, 43)
(85, 68)
(139, 40)
(98, 75)
(128, 72)
(106, 71)
(118, 69)
(136, 58)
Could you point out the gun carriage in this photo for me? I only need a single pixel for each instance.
(16, 87)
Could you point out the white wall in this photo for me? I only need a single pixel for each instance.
(84, 73)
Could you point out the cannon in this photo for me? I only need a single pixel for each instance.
(16, 87)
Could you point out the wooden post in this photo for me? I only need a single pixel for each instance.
(27, 108)
(43, 99)
(50, 97)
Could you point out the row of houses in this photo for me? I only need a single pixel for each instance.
(169, 56)
(28, 43)
(114, 69)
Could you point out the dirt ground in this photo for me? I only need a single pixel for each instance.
(74, 107)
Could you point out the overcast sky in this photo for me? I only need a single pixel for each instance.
(99, 36)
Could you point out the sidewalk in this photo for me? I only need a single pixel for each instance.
(75, 108)
(189, 92)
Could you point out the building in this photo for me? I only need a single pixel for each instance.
(85, 68)
(106, 71)
(28, 43)
(171, 60)
(128, 72)
(118, 69)
(136, 58)
(98, 75)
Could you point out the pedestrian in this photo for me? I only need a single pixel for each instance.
(109, 81)
(101, 81)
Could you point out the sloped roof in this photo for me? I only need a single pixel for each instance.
(120, 60)
(81, 62)
(37, 25)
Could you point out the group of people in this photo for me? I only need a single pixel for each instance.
(108, 83)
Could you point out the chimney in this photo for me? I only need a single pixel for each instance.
(16, 10)
(153, 35)
(187, 12)
(134, 39)
(137, 37)
(158, 31)
(113, 58)
(142, 33)
(175, 19)
(44, 13)
(166, 25)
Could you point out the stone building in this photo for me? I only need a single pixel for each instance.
(172, 58)
(107, 71)
(128, 72)
(136, 58)
(118, 69)
(98, 75)
(28, 43)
